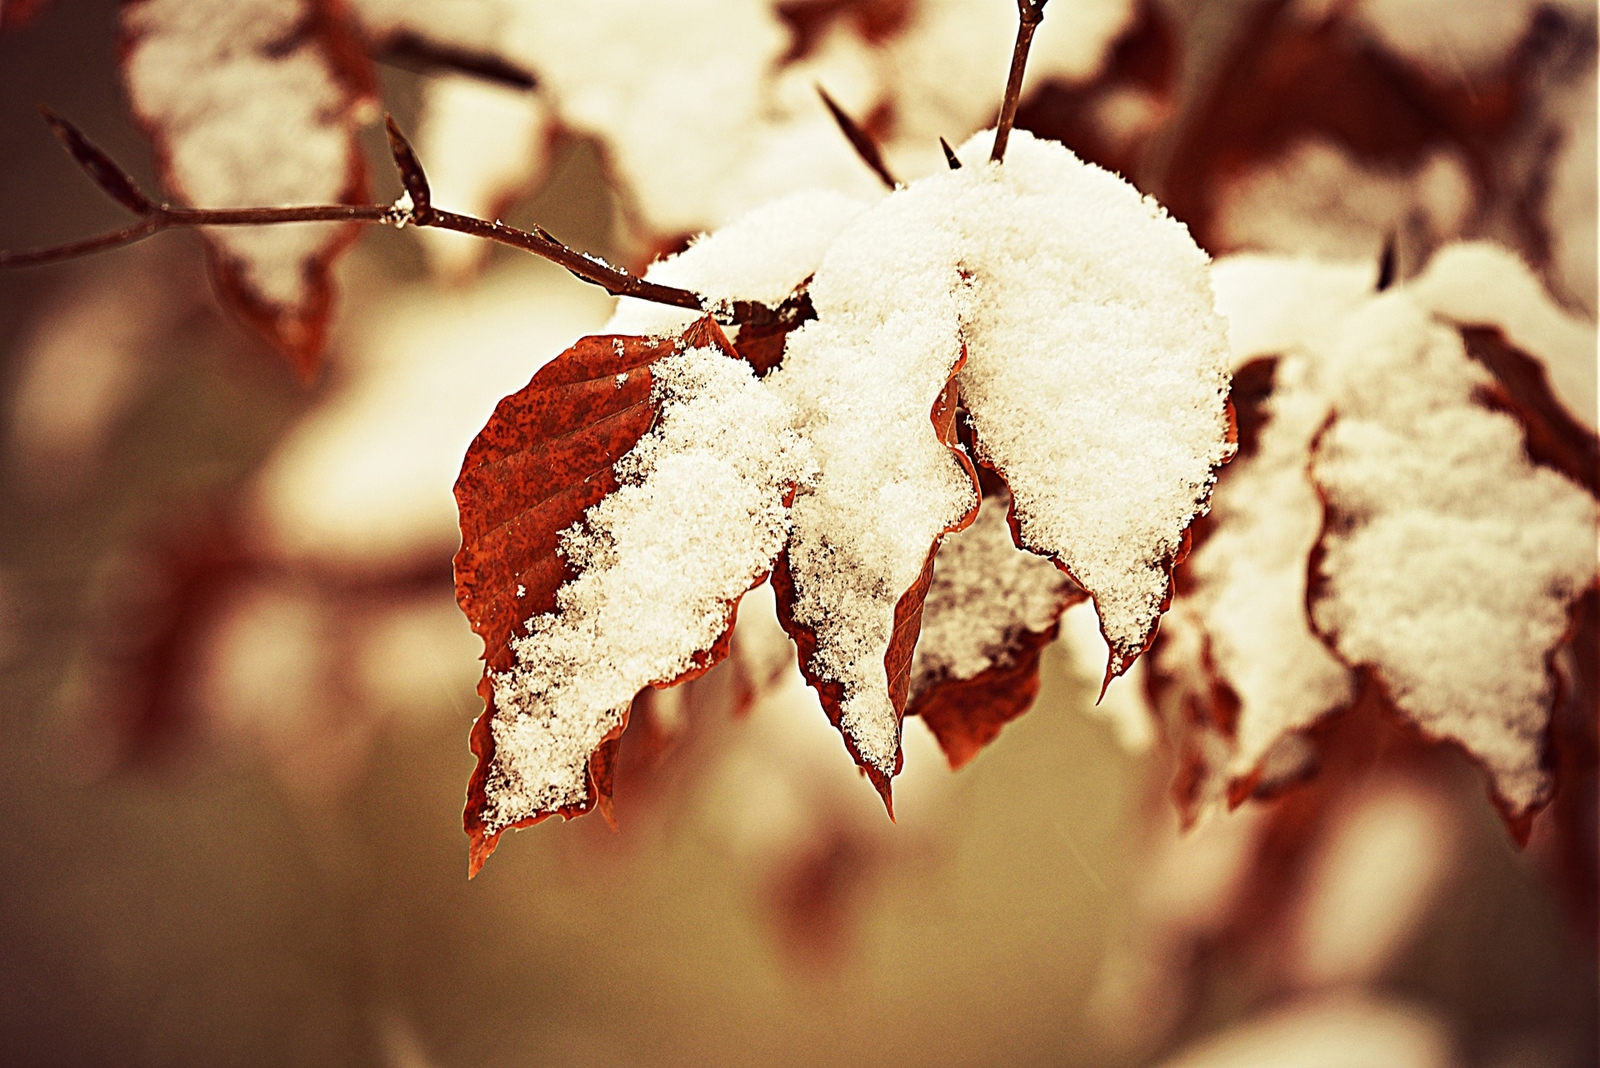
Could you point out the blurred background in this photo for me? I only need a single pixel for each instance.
(235, 690)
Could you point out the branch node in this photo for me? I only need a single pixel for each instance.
(101, 168)
(419, 198)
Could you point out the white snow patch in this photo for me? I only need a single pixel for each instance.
(1481, 284)
(985, 593)
(761, 256)
(864, 377)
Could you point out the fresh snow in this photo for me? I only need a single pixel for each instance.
(1482, 284)
(761, 256)
(1456, 576)
(864, 376)
(1460, 558)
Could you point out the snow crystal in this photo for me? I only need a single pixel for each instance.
(761, 256)
(698, 518)
(1456, 576)
(984, 592)
(250, 114)
(1481, 284)
(1096, 369)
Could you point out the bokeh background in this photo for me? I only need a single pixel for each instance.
(235, 691)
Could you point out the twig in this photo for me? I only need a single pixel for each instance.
(411, 52)
(859, 140)
(1031, 13)
(1387, 262)
(414, 208)
(950, 155)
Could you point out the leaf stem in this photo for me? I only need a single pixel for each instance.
(1031, 13)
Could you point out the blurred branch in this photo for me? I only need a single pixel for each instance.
(415, 53)
(414, 208)
(859, 140)
(1030, 14)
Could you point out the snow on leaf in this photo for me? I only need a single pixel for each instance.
(1096, 379)
(764, 255)
(1475, 283)
(866, 376)
(1251, 670)
(613, 513)
(1449, 561)
(255, 103)
(990, 610)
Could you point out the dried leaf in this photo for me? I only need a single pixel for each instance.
(613, 512)
(990, 611)
(255, 103)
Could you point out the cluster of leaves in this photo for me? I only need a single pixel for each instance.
(1030, 337)
(1410, 521)
(605, 545)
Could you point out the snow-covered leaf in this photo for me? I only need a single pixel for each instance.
(1096, 378)
(1433, 499)
(613, 512)
(255, 103)
(1449, 561)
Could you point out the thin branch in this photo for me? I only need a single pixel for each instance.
(950, 155)
(414, 53)
(1031, 13)
(415, 208)
(859, 140)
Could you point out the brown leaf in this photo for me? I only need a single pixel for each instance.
(549, 455)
